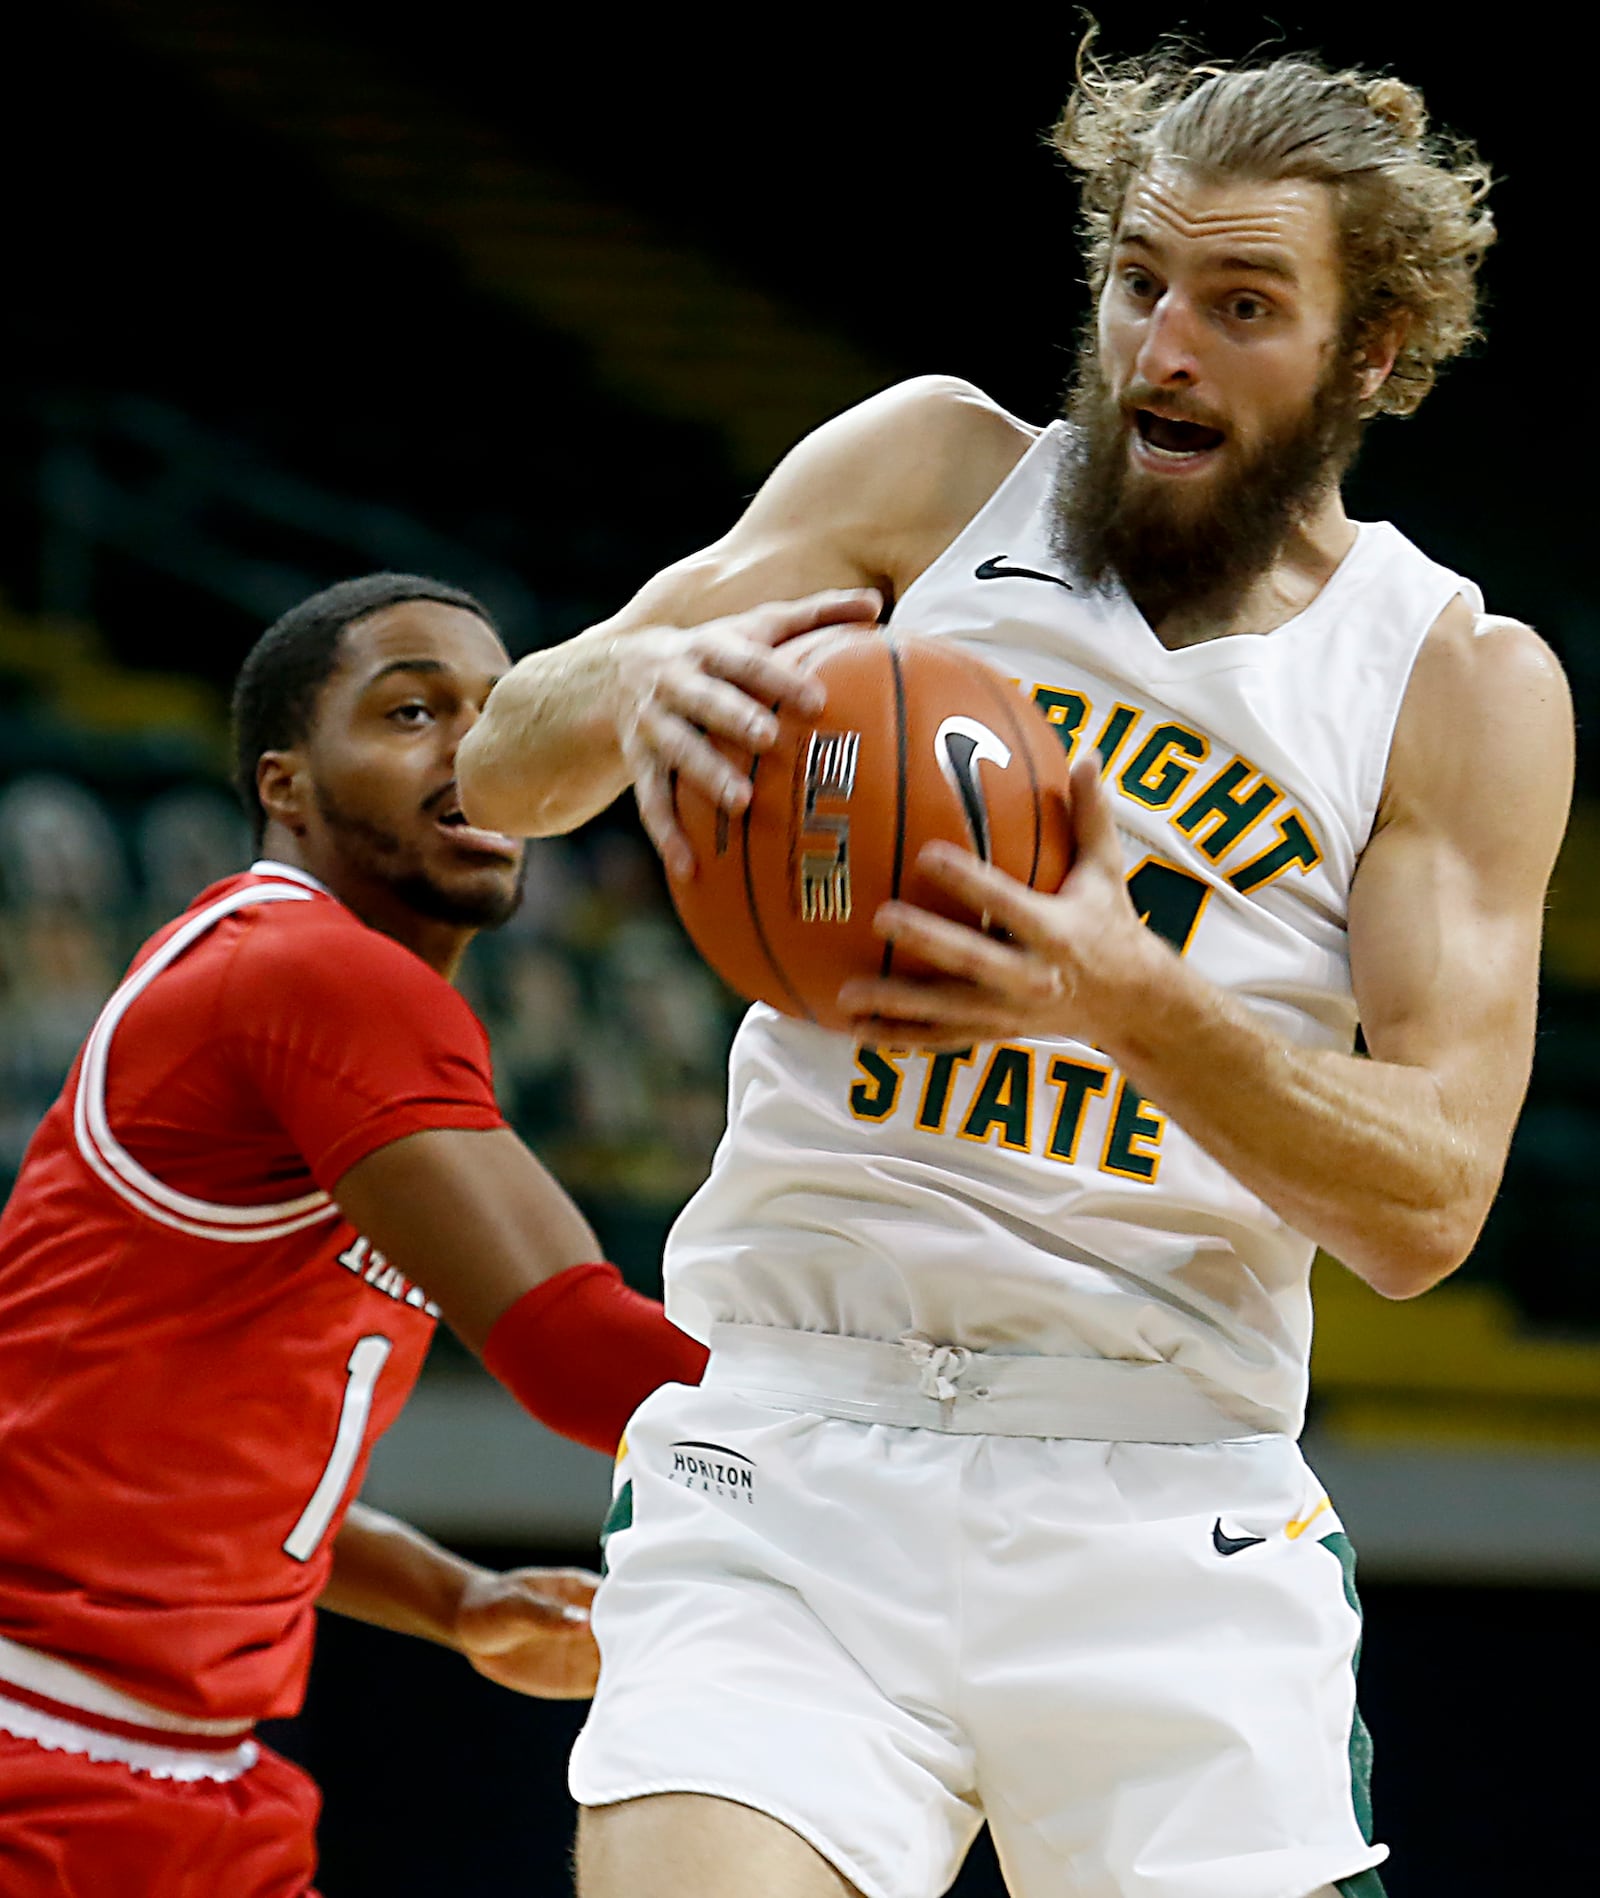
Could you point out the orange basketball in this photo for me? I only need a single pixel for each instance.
(919, 740)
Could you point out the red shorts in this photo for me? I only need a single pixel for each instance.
(73, 1827)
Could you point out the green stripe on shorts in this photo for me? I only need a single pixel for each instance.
(620, 1516)
(1364, 1884)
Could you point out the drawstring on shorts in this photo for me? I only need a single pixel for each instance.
(940, 1366)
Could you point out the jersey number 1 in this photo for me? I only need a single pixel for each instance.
(367, 1359)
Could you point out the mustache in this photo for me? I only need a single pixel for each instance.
(1175, 408)
(432, 802)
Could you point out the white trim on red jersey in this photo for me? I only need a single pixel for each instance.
(79, 1691)
(111, 1161)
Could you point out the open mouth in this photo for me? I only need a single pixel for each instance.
(1168, 439)
(483, 843)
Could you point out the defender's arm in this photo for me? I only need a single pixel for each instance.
(843, 524)
(474, 1219)
(526, 1628)
(1390, 1162)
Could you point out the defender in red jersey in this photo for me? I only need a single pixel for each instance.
(276, 1162)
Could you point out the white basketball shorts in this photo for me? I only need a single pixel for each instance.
(1136, 1660)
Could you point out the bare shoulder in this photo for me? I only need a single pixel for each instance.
(868, 499)
(1481, 669)
(1485, 734)
(897, 476)
(944, 414)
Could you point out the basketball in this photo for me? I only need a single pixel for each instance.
(919, 741)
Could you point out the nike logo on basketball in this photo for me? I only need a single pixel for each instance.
(991, 569)
(1231, 1545)
(960, 745)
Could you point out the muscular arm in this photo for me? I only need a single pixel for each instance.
(470, 1216)
(475, 1220)
(846, 521)
(1390, 1162)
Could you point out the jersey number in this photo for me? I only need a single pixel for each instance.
(367, 1359)
(1169, 900)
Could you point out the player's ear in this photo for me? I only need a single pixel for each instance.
(1376, 353)
(283, 783)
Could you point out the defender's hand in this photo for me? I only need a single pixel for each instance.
(674, 686)
(528, 1629)
(1074, 964)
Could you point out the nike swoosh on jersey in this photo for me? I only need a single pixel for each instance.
(991, 569)
(1297, 1526)
(1231, 1545)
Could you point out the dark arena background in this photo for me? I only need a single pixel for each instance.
(531, 299)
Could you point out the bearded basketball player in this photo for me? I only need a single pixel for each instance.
(991, 1504)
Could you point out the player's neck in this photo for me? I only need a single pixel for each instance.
(440, 944)
(1305, 564)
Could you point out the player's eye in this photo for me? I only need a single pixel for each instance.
(413, 712)
(1138, 283)
(1248, 309)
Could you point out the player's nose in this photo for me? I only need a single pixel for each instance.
(1169, 347)
(455, 729)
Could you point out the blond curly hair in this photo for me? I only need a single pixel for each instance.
(1413, 223)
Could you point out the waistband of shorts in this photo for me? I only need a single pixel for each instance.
(28, 1717)
(917, 1383)
(58, 1689)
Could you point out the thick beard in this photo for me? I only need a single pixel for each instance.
(1105, 522)
(377, 853)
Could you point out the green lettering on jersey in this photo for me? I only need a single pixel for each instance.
(1004, 1099)
(1075, 1082)
(874, 1096)
(936, 1090)
(1064, 710)
(1113, 731)
(1219, 816)
(1295, 845)
(1134, 1138)
(1154, 775)
(1169, 900)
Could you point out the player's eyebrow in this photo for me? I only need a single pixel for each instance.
(408, 665)
(1262, 263)
(1269, 263)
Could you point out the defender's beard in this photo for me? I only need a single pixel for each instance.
(1171, 544)
(378, 853)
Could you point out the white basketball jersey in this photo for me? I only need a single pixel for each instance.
(1023, 1197)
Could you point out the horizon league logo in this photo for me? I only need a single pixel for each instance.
(715, 1468)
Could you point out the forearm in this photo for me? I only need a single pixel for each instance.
(390, 1575)
(1359, 1155)
(545, 756)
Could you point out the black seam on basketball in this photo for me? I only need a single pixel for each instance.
(750, 893)
(900, 741)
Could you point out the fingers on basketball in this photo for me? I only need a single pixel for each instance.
(919, 741)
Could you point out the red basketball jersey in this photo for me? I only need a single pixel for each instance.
(196, 1351)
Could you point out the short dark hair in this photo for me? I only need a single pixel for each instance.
(278, 684)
